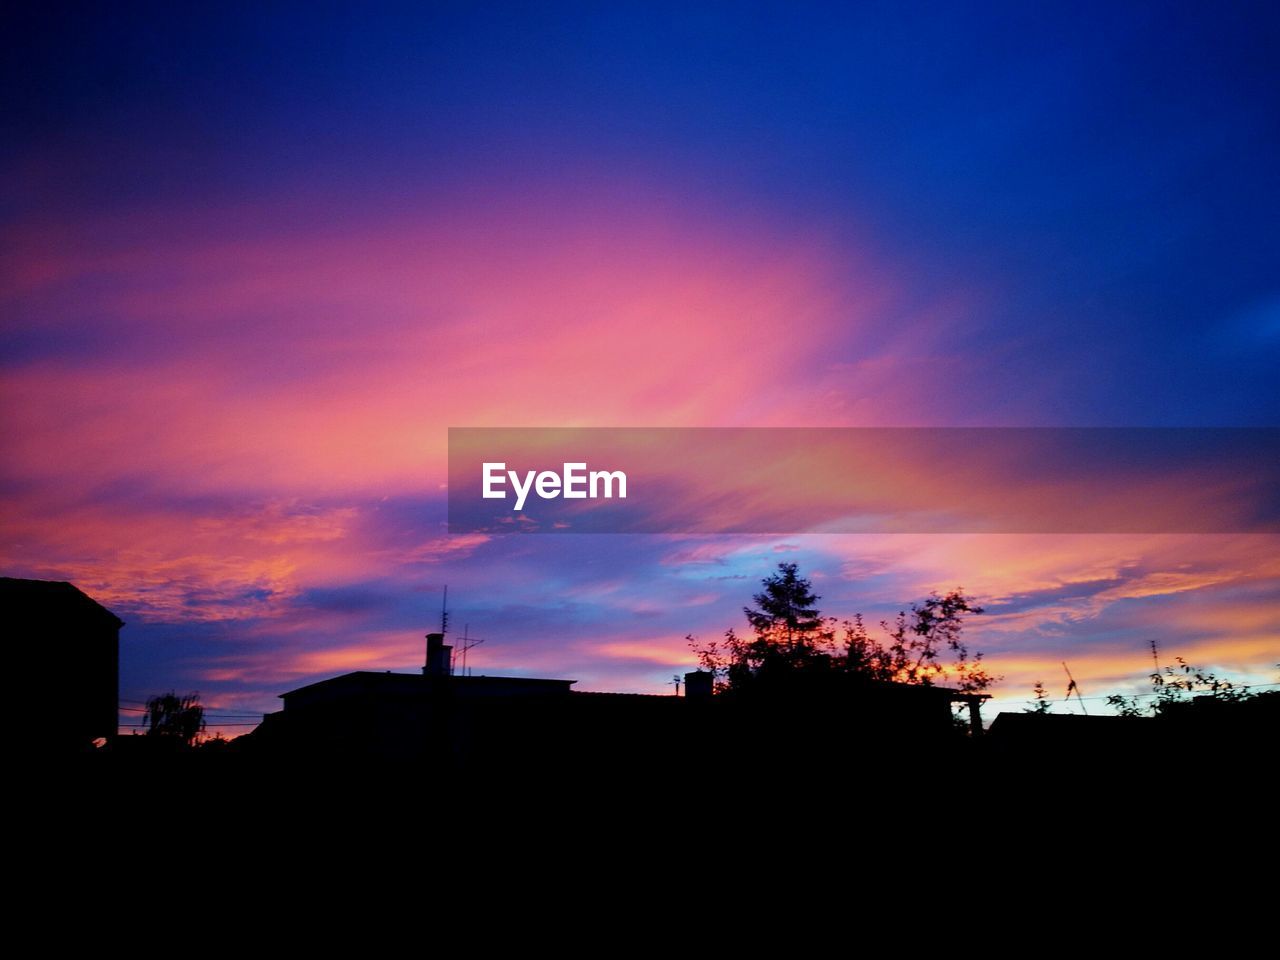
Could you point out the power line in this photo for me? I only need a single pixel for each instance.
(208, 715)
(1147, 696)
(143, 703)
(215, 726)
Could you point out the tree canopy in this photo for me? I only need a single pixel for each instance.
(924, 645)
(785, 611)
(175, 718)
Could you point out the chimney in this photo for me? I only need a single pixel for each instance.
(698, 685)
(438, 656)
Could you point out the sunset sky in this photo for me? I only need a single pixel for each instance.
(255, 264)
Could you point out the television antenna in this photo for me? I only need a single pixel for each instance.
(467, 643)
(1072, 685)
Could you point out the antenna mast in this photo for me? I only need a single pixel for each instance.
(468, 642)
(439, 660)
(1072, 685)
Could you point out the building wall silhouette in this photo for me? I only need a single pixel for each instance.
(62, 635)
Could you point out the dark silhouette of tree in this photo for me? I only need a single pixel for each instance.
(923, 647)
(1174, 686)
(1177, 684)
(786, 611)
(180, 719)
(790, 635)
(1125, 706)
(1042, 703)
(215, 745)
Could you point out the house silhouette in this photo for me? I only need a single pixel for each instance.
(61, 630)
(439, 716)
(512, 722)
